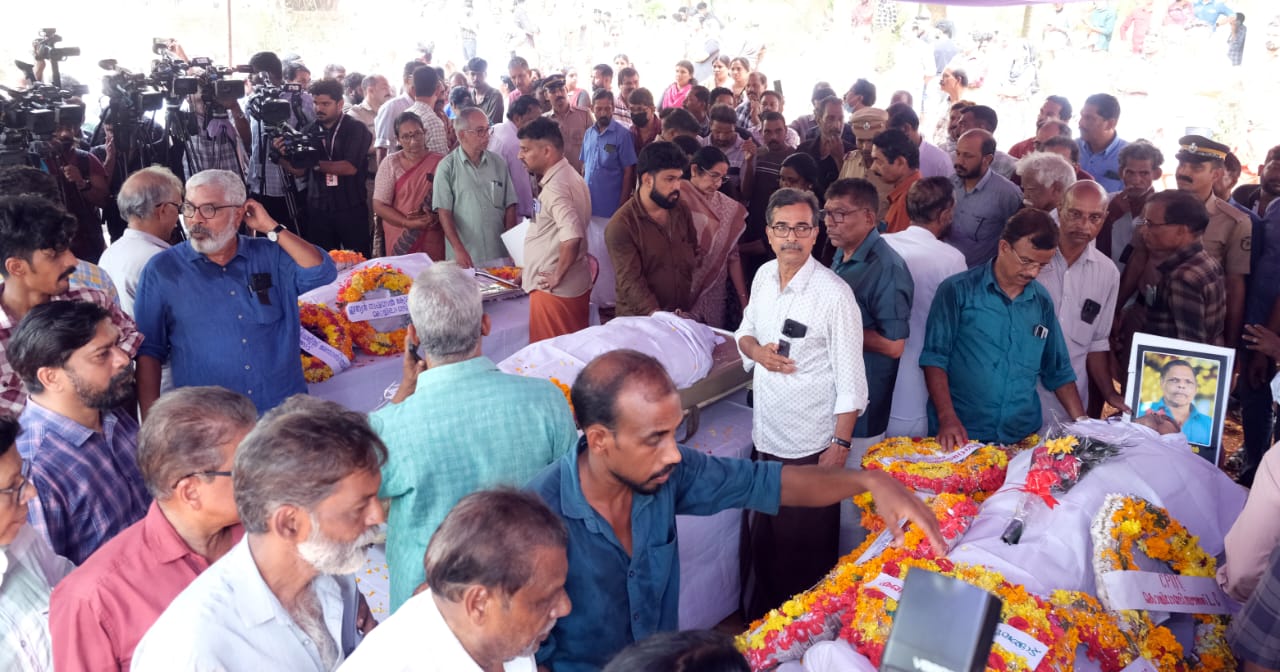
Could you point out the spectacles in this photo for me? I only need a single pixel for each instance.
(782, 230)
(208, 210)
(1077, 215)
(207, 473)
(16, 492)
(1028, 264)
(176, 206)
(483, 130)
(406, 137)
(1143, 221)
(838, 216)
(718, 178)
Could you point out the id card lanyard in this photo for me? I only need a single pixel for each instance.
(331, 180)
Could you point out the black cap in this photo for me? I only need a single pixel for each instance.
(1198, 149)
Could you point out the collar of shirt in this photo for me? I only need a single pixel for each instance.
(982, 182)
(860, 254)
(257, 604)
(7, 323)
(144, 236)
(445, 374)
(462, 157)
(1180, 257)
(1271, 207)
(189, 253)
(900, 189)
(613, 124)
(798, 282)
(70, 431)
(1112, 147)
(989, 281)
(562, 164)
(574, 503)
(916, 234)
(1090, 256)
(162, 540)
(1159, 407)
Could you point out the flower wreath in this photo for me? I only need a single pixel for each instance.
(954, 512)
(786, 632)
(329, 326)
(868, 623)
(378, 276)
(345, 259)
(1113, 644)
(509, 273)
(908, 460)
(1128, 525)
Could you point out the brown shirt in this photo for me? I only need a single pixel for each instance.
(564, 209)
(654, 262)
(573, 126)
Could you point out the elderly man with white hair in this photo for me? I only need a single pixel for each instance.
(473, 194)
(222, 308)
(1045, 178)
(1082, 282)
(150, 201)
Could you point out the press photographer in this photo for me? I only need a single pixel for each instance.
(285, 105)
(211, 127)
(83, 182)
(337, 196)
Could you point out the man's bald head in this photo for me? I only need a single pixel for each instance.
(1083, 187)
(982, 136)
(596, 391)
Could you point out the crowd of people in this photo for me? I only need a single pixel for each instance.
(176, 499)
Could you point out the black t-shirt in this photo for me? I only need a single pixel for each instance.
(348, 141)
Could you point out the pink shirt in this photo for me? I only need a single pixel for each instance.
(1255, 533)
(101, 610)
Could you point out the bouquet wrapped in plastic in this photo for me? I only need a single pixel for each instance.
(1057, 465)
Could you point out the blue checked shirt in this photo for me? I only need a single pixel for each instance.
(271, 181)
(88, 486)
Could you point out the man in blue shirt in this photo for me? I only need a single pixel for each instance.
(1210, 11)
(992, 334)
(1099, 144)
(1177, 401)
(608, 158)
(223, 308)
(619, 493)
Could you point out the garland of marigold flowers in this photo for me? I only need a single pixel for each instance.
(1126, 526)
(345, 259)
(329, 326)
(378, 276)
(978, 474)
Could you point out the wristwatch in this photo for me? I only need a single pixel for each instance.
(841, 442)
(274, 234)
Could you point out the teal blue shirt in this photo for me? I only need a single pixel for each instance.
(619, 598)
(994, 349)
(467, 427)
(883, 287)
(1198, 428)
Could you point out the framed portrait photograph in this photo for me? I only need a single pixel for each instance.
(1185, 382)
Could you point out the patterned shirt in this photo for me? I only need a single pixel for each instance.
(13, 395)
(96, 277)
(384, 134)
(1254, 633)
(29, 570)
(795, 412)
(266, 177)
(433, 126)
(1190, 301)
(432, 460)
(88, 486)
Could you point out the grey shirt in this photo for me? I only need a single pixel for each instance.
(981, 214)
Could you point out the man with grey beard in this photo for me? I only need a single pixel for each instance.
(222, 308)
(306, 482)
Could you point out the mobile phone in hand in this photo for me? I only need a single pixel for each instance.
(784, 348)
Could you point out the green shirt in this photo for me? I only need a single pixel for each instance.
(467, 427)
(994, 349)
(478, 196)
(883, 287)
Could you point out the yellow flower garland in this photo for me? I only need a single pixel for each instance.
(978, 474)
(378, 276)
(329, 326)
(1126, 526)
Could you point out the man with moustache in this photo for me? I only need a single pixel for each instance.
(992, 335)
(985, 200)
(1055, 108)
(495, 588)
(574, 123)
(337, 198)
(1178, 387)
(619, 492)
(758, 184)
(1227, 238)
(651, 239)
(895, 159)
(79, 443)
(306, 485)
(1045, 179)
(35, 241)
(1082, 282)
(1100, 145)
(1140, 163)
(222, 308)
(608, 158)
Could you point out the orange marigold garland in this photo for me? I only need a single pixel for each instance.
(354, 288)
(922, 464)
(329, 326)
(509, 273)
(1128, 525)
(345, 259)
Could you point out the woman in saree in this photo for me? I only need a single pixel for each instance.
(402, 193)
(719, 221)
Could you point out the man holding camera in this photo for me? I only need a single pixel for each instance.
(337, 199)
(267, 183)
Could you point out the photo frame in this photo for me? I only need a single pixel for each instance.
(1185, 381)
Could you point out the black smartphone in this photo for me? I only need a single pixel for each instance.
(793, 329)
(777, 86)
(784, 348)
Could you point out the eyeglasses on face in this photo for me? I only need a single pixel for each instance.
(14, 494)
(208, 473)
(208, 210)
(800, 230)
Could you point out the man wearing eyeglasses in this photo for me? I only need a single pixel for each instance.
(473, 194)
(1189, 301)
(79, 439)
(992, 335)
(186, 448)
(1082, 282)
(802, 338)
(151, 200)
(221, 308)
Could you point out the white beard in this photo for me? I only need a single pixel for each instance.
(334, 557)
